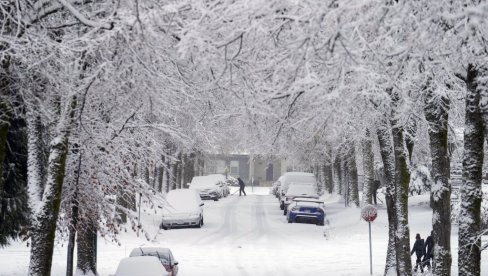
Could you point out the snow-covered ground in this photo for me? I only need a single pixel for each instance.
(250, 236)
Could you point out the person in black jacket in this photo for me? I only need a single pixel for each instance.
(418, 249)
(429, 250)
(241, 186)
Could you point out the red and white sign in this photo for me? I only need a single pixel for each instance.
(369, 213)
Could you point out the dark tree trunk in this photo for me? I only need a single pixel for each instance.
(470, 213)
(436, 113)
(328, 174)
(189, 169)
(87, 245)
(402, 181)
(338, 174)
(4, 127)
(345, 181)
(411, 132)
(386, 152)
(160, 174)
(368, 168)
(179, 171)
(168, 175)
(353, 175)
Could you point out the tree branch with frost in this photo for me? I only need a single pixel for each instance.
(83, 19)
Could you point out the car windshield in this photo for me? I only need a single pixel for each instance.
(299, 179)
(301, 190)
(203, 182)
(182, 200)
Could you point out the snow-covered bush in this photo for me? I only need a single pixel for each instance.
(420, 180)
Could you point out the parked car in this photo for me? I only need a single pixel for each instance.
(232, 181)
(207, 187)
(276, 187)
(164, 255)
(302, 190)
(222, 183)
(306, 209)
(293, 177)
(141, 266)
(183, 208)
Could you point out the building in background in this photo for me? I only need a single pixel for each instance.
(264, 171)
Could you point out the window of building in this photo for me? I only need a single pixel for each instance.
(234, 167)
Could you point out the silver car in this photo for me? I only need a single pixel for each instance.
(183, 208)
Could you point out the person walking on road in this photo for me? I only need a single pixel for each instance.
(429, 250)
(241, 186)
(418, 249)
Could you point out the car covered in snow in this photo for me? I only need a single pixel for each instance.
(164, 255)
(306, 210)
(302, 190)
(207, 187)
(222, 183)
(183, 207)
(141, 266)
(294, 177)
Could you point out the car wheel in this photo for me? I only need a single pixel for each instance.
(290, 220)
(216, 199)
(200, 223)
(320, 223)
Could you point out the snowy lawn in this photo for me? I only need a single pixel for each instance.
(250, 236)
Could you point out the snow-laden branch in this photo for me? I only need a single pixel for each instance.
(83, 19)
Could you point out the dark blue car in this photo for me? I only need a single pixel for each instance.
(306, 210)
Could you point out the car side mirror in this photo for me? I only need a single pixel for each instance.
(201, 204)
(175, 263)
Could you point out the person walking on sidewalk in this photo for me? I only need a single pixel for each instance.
(241, 186)
(418, 249)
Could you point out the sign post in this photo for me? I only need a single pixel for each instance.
(369, 214)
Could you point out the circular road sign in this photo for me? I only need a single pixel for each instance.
(369, 213)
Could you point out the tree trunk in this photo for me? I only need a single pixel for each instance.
(168, 175)
(353, 175)
(338, 174)
(402, 181)
(436, 114)
(328, 174)
(160, 174)
(73, 220)
(469, 215)
(46, 213)
(87, 245)
(345, 181)
(368, 168)
(4, 126)
(44, 222)
(386, 152)
(411, 132)
(179, 171)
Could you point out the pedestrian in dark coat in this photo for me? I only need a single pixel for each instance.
(376, 186)
(429, 250)
(418, 249)
(241, 186)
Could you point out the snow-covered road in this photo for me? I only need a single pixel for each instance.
(250, 236)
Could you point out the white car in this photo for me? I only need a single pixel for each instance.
(221, 182)
(207, 187)
(164, 255)
(301, 190)
(141, 266)
(183, 208)
(293, 177)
